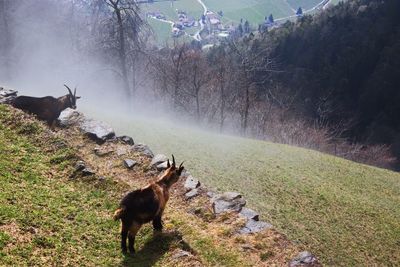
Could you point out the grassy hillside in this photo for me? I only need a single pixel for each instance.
(48, 219)
(347, 213)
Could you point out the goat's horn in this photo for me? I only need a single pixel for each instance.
(75, 92)
(168, 164)
(69, 90)
(173, 160)
(181, 164)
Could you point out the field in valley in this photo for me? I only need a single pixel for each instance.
(234, 10)
(347, 213)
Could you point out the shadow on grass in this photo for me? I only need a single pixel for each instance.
(154, 249)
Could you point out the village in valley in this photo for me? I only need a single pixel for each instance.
(209, 28)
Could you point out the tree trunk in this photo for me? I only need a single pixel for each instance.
(222, 115)
(5, 41)
(197, 106)
(122, 53)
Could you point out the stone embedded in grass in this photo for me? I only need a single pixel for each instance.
(101, 152)
(253, 226)
(129, 163)
(97, 130)
(191, 183)
(304, 258)
(80, 167)
(144, 149)
(192, 193)
(121, 151)
(69, 117)
(126, 140)
(228, 201)
(179, 253)
(159, 158)
(249, 214)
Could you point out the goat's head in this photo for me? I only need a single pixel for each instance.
(71, 98)
(172, 173)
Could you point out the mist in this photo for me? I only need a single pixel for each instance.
(49, 47)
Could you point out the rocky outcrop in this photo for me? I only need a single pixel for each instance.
(228, 201)
(158, 159)
(191, 183)
(144, 149)
(253, 226)
(70, 117)
(126, 140)
(97, 130)
(249, 214)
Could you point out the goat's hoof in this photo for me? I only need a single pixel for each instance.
(124, 251)
(132, 251)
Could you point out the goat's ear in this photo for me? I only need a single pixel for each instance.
(77, 97)
(168, 164)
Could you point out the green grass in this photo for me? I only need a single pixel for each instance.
(254, 10)
(47, 219)
(304, 4)
(347, 213)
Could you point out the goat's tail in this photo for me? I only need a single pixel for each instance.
(118, 214)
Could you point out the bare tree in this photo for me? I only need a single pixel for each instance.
(197, 77)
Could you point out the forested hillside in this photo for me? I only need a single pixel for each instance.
(346, 65)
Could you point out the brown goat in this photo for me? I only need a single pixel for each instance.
(46, 108)
(145, 205)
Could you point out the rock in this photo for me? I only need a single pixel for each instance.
(121, 151)
(101, 178)
(69, 117)
(159, 158)
(126, 139)
(192, 193)
(230, 196)
(7, 92)
(97, 130)
(144, 149)
(6, 95)
(87, 171)
(162, 166)
(179, 253)
(229, 201)
(211, 194)
(253, 226)
(304, 258)
(81, 167)
(101, 152)
(129, 163)
(191, 183)
(249, 214)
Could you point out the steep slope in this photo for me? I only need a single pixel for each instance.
(347, 213)
(48, 217)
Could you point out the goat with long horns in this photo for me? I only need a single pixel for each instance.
(144, 205)
(46, 108)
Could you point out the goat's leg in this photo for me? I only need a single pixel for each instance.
(157, 224)
(132, 234)
(124, 235)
